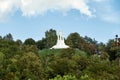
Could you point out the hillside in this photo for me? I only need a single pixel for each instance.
(59, 51)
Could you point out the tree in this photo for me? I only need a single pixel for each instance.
(86, 77)
(118, 41)
(89, 40)
(101, 46)
(8, 37)
(29, 41)
(118, 49)
(91, 49)
(111, 49)
(32, 68)
(0, 37)
(29, 48)
(19, 42)
(9, 48)
(51, 38)
(90, 45)
(1, 57)
(41, 44)
(75, 41)
(65, 77)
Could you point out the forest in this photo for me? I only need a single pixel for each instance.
(86, 59)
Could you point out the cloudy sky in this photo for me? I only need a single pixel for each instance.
(99, 19)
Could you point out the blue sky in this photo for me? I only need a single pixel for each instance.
(99, 19)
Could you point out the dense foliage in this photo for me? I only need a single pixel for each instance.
(85, 60)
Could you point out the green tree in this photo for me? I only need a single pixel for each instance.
(90, 49)
(51, 38)
(41, 44)
(90, 45)
(8, 37)
(86, 77)
(29, 41)
(8, 48)
(75, 41)
(81, 62)
(1, 57)
(29, 48)
(101, 47)
(89, 40)
(104, 56)
(0, 37)
(32, 68)
(19, 42)
(111, 49)
(65, 77)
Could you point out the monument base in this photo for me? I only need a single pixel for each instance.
(60, 47)
(60, 42)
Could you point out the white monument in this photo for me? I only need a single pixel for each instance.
(60, 41)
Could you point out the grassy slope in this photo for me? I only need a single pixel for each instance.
(58, 51)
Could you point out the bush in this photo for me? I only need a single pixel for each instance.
(65, 77)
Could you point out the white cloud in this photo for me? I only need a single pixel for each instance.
(102, 8)
(38, 7)
(7, 7)
(33, 7)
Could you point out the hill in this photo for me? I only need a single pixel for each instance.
(59, 51)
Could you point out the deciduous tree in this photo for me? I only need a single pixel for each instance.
(29, 41)
(51, 38)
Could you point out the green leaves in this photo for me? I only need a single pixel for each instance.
(51, 38)
(65, 77)
(29, 41)
(74, 40)
(30, 65)
(1, 57)
(20, 61)
(8, 37)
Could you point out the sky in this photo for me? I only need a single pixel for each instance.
(99, 19)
